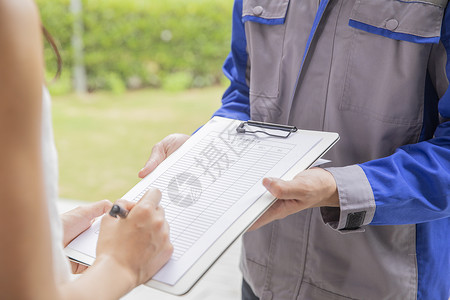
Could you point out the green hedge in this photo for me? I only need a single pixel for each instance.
(142, 43)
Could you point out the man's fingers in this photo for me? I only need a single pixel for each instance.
(281, 189)
(263, 220)
(150, 165)
(161, 151)
(273, 213)
(156, 157)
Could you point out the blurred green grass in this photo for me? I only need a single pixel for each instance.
(104, 140)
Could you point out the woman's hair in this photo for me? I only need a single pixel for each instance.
(51, 41)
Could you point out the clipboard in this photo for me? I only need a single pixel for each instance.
(263, 133)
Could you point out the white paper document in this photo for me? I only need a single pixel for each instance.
(207, 184)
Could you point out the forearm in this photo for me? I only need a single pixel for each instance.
(408, 187)
(106, 279)
(122, 264)
(412, 185)
(25, 248)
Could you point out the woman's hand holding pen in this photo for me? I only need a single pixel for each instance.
(145, 234)
(78, 220)
(138, 244)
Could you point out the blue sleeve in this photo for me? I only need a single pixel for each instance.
(413, 185)
(235, 101)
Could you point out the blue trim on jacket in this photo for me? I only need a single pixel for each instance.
(235, 101)
(393, 35)
(263, 20)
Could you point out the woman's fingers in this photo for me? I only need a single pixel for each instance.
(79, 219)
(96, 209)
(125, 204)
(151, 198)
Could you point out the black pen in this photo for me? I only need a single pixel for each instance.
(117, 210)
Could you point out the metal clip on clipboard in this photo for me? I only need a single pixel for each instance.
(286, 128)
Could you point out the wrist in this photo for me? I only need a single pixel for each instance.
(122, 274)
(331, 198)
(107, 278)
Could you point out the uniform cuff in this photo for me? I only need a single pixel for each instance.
(357, 203)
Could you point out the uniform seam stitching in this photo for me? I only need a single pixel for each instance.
(414, 275)
(348, 70)
(306, 252)
(256, 262)
(262, 94)
(270, 261)
(331, 66)
(312, 284)
(346, 105)
(422, 2)
(282, 49)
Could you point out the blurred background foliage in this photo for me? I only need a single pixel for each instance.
(153, 68)
(135, 44)
(104, 139)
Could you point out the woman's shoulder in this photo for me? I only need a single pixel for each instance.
(18, 7)
(20, 36)
(21, 58)
(18, 17)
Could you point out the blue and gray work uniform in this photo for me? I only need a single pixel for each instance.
(376, 72)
